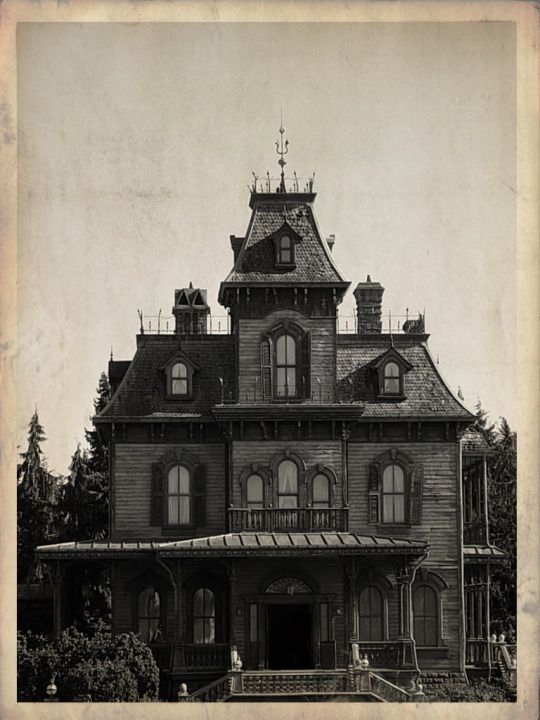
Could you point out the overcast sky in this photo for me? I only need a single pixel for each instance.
(136, 146)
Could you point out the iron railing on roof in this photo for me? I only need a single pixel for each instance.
(267, 184)
(193, 325)
(392, 324)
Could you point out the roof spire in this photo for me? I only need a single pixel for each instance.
(282, 150)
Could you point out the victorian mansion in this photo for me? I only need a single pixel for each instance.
(296, 511)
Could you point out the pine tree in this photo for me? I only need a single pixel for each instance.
(84, 500)
(99, 451)
(502, 491)
(36, 496)
(482, 424)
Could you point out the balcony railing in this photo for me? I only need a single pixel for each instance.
(474, 533)
(381, 654)
(281, 519)
(477, 652)
(195, 656)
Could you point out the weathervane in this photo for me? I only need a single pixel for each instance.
(282, 150)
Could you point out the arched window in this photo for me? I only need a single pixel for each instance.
(204, 616)
(178, 496)
(321, 491)
(255, 491)
(286, 367)
(426, 616)
(179, 379)
(285, 250)
(393, 494)
(287, 484)
(149, 614)
(371, 614)
(391, 379)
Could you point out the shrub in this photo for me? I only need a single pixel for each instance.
(477, 691)
(100, 667)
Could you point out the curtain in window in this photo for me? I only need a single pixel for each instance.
(287, 484)
(286, 366)
(371, 614)
(179, 379)
(425, 616)
(178, 496)
(204, 616)
(148, 614)
(391, 378)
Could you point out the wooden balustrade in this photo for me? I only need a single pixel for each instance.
(285, 519)
(474, 533)
(381, 654)
(197, 656)
(293, 682)
(217, 691)
(477, 652)
(387, 690)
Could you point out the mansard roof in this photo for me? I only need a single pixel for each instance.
(143, 391)
(425, 392)
(255, 263)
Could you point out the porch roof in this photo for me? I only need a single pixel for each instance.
(472, 553)
(292, 543)
(246, 543)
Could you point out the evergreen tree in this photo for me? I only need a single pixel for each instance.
(36, 499)
(482, 424)
(502, 491)
(84, 500)
(99, 452)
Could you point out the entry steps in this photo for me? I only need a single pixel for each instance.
(301, 686)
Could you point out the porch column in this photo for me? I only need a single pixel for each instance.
(56, 572)
(403, 578)
(231, 572)
(352, 573)
(178, 599)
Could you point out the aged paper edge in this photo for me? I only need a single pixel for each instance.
(525, 16)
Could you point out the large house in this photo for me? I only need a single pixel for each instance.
(295, 511)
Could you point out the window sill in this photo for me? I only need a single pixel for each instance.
(179, 397)
(387, 397)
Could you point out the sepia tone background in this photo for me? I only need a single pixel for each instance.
(136, 144)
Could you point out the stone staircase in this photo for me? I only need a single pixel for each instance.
(301, 686)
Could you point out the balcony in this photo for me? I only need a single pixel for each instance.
(285, 520)
(198, 656)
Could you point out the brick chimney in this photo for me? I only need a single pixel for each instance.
(190, 311)
(369, 307)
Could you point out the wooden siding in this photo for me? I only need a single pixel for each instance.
(132, 487)
(323, 363)
(439, 523)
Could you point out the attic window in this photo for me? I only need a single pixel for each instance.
(285, 250)
(391, 379)
(179, 379)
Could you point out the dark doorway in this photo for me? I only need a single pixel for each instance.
(289, 637)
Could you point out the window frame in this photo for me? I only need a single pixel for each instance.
(392, 378)
(283, 494)
(384, 588)
(205, 588)
(436, 583)
(301, 475)
(413, 472)
(379, 365)
(330, 475)
(404, 494)
(285, 231)
(135, 587)
(285, 333)
(167, 495)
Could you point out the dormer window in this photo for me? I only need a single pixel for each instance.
(285, 250)
(285, 240)
(179, 374)
(390, 368)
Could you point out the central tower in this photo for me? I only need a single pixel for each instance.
(282, 293)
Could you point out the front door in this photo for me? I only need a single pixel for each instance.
(289, 637)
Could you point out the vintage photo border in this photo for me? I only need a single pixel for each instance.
(525, 15)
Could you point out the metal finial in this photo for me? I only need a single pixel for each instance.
(111, 353)
(282, 148)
